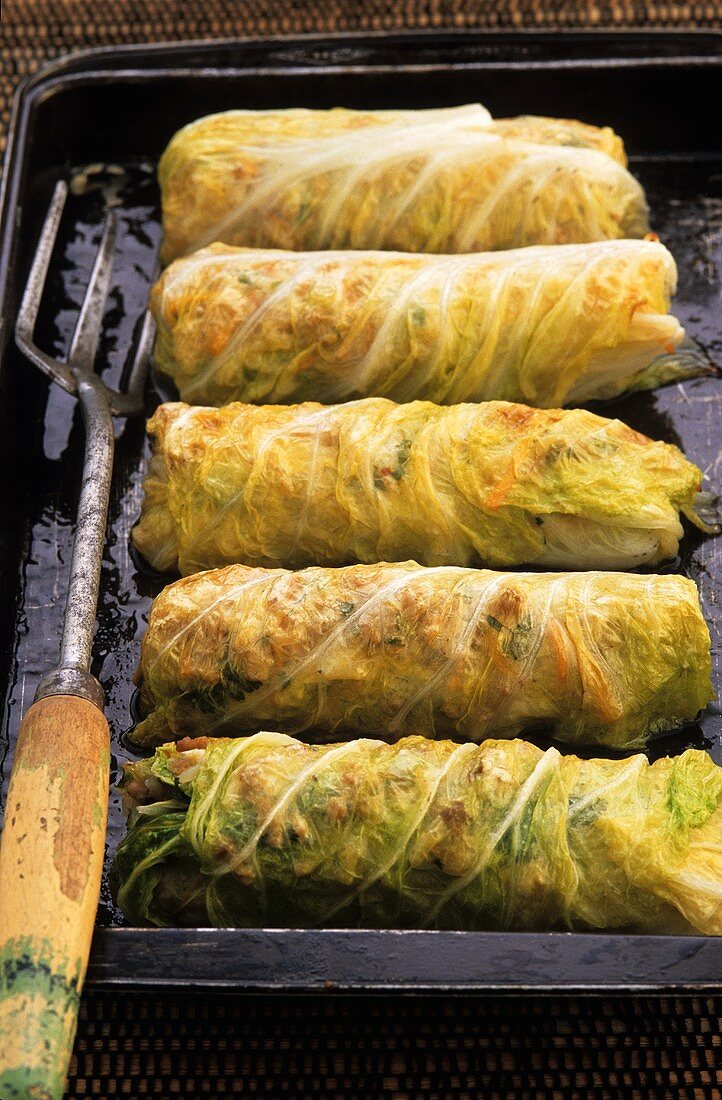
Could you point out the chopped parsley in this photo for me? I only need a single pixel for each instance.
(518, 643)
(403, 451)
(517, 640)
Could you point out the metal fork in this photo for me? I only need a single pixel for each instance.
(51, 856)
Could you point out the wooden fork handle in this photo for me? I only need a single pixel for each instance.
(51, 860)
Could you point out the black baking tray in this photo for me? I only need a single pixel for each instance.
(115, 109)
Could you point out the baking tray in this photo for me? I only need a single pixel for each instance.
(115, 110)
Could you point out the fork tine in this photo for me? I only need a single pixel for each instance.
(129, 401)
(30, 304)
(28, 312)
(139, 368)
(88, 327)
(86, 336)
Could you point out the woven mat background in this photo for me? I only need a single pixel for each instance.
(202, 1045)
(421, 1049)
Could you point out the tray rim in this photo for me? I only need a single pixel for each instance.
(65, 61)
(303, 961)
(64, 66)
(324, 961)
(73, 64)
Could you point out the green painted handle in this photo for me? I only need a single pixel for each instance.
(51, 861)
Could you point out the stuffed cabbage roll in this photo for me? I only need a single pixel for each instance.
(390, 650)
(446, 180)
(545, 326)
(268, 831)
(496, 484)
